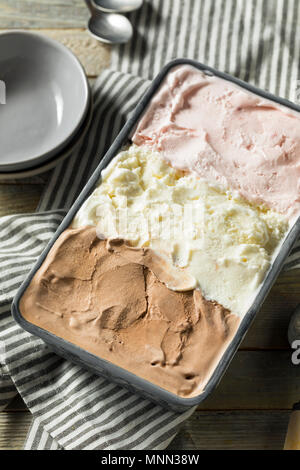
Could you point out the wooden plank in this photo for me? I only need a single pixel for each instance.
(269, 329)
(39, 179)
(257, 380)
(13, 429)
(231, 430)
(43, 14)
(20, 198)
(203, 430)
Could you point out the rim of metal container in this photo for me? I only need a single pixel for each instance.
(104, 367)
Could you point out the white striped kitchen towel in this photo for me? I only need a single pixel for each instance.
(258, 41)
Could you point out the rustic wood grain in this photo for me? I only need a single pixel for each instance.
(269, 329)
(43, 14)
(19, 198)
(257, 380)
(42, 178)
(13, 429)
(259, 430)
(203, 430)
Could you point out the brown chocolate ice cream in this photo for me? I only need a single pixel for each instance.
(112, 300)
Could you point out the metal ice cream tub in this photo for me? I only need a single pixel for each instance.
(105, 368)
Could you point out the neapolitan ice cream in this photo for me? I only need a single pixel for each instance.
(213, 236)
(166, 256)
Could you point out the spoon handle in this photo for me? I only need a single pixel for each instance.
(292, 440)
(89, 5)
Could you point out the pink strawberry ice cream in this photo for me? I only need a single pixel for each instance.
(220, 132)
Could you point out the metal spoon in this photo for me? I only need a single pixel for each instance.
(118, 6)
(110, 28)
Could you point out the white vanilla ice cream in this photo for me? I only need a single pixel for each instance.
(222, 241)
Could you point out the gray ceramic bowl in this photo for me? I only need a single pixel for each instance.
(58, 158)
(46, 99)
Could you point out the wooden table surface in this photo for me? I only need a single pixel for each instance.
(251, 406)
